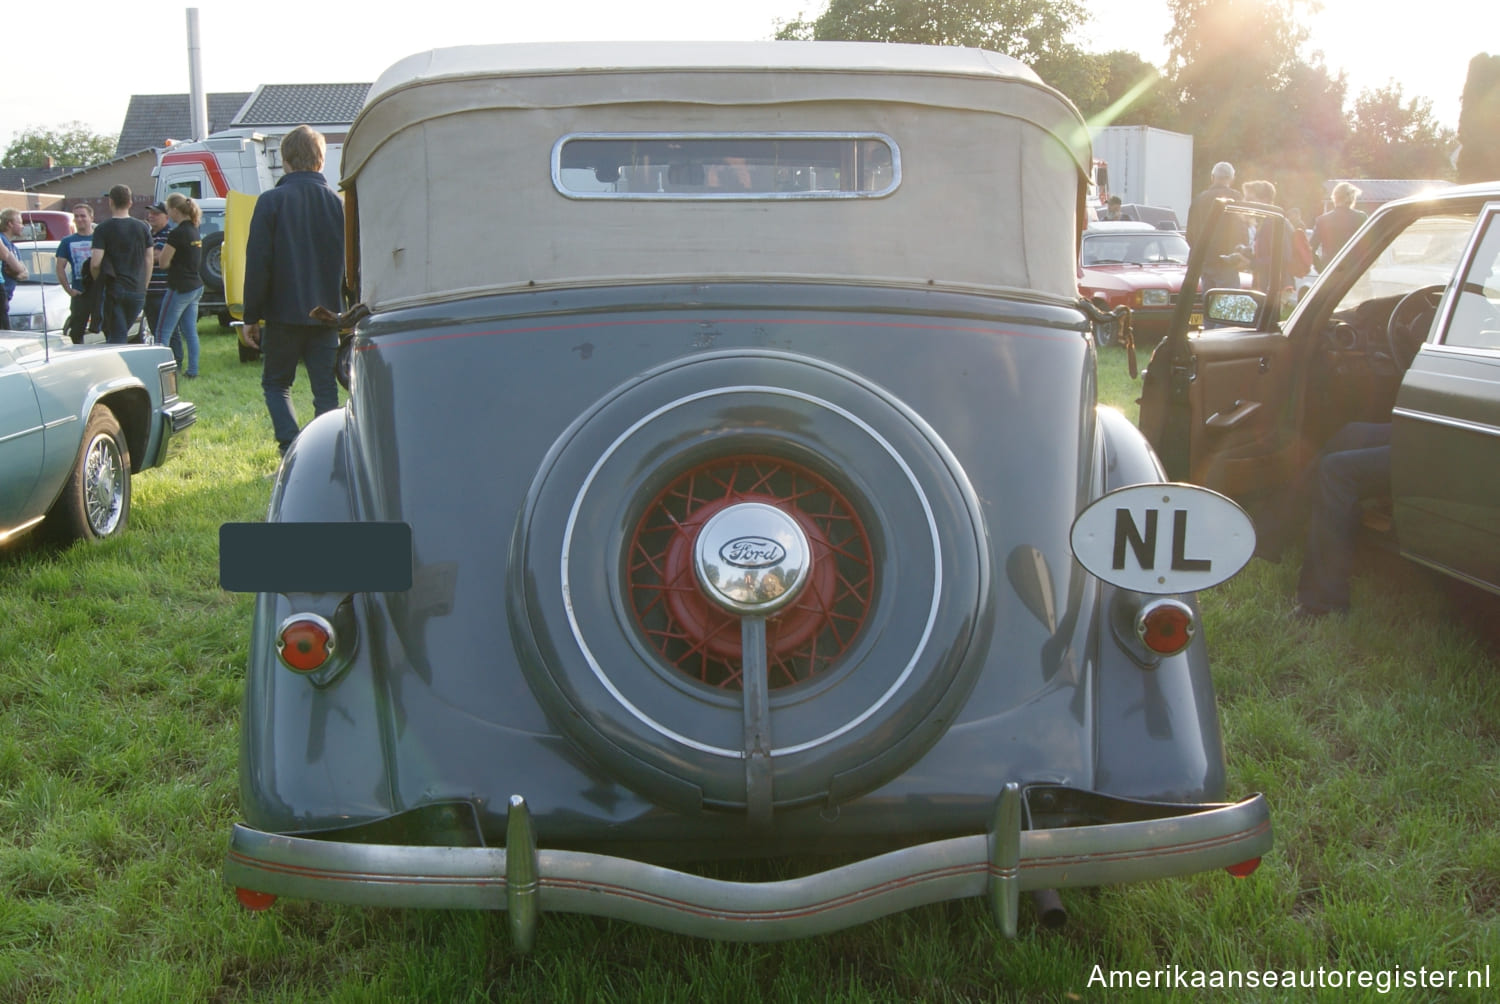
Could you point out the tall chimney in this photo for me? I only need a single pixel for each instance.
(197, 99)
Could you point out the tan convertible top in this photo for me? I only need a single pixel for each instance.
(453, 165)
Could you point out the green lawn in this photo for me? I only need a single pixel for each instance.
(1376, 739)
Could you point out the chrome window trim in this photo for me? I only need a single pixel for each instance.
(1461, 351)
(1487, 216)
(566, 192)
(1452, 423)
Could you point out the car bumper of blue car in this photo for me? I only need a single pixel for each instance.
(176, 419)
(1165, 840)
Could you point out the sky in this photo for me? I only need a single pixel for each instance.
(311, 42)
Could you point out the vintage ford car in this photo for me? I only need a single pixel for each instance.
(1402, 327)
(75, 423)
(724, 479)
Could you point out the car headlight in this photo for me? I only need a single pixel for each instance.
(26, 322)
(1155, 297)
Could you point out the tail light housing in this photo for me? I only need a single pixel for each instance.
(305, 642)
(1166, 626)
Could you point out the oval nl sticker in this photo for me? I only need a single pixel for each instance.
(1163, 538)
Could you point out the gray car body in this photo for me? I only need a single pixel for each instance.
(507, 701)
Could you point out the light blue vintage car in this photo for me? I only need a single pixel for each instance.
(75, 423)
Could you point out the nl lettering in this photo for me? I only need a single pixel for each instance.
(1142, 543)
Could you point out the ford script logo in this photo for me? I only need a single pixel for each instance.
(752, 552)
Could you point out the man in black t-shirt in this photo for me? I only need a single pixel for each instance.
(121, 257)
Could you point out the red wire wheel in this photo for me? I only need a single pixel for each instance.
(702, 641)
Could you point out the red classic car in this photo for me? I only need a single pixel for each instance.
(1135, 265)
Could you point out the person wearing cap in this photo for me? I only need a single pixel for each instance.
(156, 289)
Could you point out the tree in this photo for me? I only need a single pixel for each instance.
(1389, 138)
(1029, 30)
(1033, 31)
(1131, 93)
(1479, 121)
(1230, 64)
(72, 145)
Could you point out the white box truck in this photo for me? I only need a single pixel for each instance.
(245, 160)
(1148, 166)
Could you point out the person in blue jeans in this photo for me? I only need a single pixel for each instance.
(181, 257)
(1354, 465)
(294, 263)
(122, 257)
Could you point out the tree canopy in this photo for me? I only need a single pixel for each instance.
(1236, 78)
(1479, 121)
(1029, 30)
(71, 145)
(1393, 138)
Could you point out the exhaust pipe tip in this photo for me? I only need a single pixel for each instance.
(1050, 911)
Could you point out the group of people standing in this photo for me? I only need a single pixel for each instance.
(294, 263)
(1221, 270)
(109, 270)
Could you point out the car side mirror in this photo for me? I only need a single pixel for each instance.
(1231, 307)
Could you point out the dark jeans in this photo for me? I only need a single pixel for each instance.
(4, 311)
(120, 312)
(1219, 274)
(85, 311)
(152, 317)
(1355, 465)
(283, 346)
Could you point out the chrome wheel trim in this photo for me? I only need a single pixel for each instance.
(103, 485)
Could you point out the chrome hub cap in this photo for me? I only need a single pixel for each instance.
(752, 559)
(103, 485)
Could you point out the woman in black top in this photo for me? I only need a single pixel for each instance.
(182, 257)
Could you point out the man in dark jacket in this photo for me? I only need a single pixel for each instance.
(1221, 269)
(294, 262)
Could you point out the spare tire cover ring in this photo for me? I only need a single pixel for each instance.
(902, 681)
(736, 753)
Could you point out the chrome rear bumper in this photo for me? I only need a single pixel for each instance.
(527, 881)
(176, 419)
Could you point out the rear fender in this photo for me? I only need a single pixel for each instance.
(332, 722)
(1157, 724)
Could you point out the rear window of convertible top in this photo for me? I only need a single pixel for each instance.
(758, 166)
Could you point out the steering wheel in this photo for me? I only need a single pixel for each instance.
(1410, 323)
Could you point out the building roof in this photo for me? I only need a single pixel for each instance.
(72, 175)
(1374, 191)
(296, 104)
(152, 119)
(18, 179)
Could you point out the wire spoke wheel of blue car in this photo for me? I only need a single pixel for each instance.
(866, 665)
(95, 501)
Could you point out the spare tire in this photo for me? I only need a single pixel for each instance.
(212, 266)
(868, 666)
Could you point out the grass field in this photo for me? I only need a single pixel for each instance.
(1375, 737)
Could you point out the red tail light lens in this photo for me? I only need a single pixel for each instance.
(304, 642)
(1244, 868)
(1166, 626)
(252, 900)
